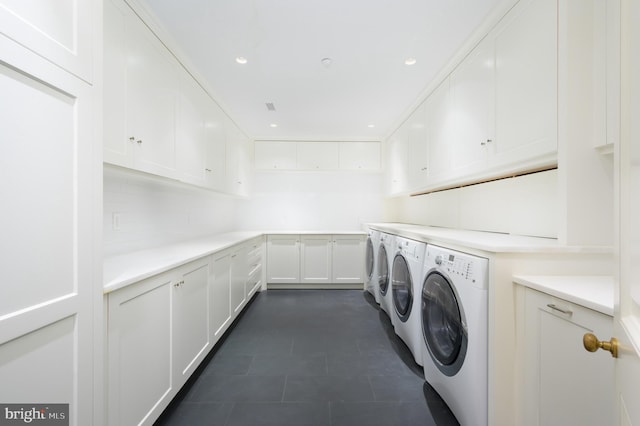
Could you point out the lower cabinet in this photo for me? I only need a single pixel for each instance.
(283, 259)
(563, 383)
(160, 329)
(315, 260)
(140, 380)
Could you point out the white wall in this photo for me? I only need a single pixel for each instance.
(154, 211)
(312, 201)
(525, 205)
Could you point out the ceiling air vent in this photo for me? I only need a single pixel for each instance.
(270, 106)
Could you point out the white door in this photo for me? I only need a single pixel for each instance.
(627, 313)
(50, 296)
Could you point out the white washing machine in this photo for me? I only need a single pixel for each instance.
(454, 310)
(371, 283)
(406, 276)
(386, 250)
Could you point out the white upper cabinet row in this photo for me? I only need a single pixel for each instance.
(287, 155)
(495, 114)
(157, 118)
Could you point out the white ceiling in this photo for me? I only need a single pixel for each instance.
(284, 42)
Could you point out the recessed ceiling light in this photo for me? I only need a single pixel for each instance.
(371, 126)
(273, 125)
(241, 60)
(410, 61)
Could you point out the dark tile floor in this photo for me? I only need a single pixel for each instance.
(309, 357)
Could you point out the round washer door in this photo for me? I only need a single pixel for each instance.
(401, 287)
(383, 270)
(369, 258)
(442, 324)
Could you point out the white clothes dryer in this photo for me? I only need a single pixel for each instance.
(371, 272)
(406, 276)
(386, 250)
(454, 316)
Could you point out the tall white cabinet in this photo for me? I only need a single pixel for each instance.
(50, 317)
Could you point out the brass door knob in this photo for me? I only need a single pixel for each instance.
(592, 344)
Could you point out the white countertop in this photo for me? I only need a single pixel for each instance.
(593, 292)
(486, 241)
(124, 269)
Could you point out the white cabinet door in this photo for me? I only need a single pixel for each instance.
(564, 384)
(151, 87)
(275, 155)
(439, 127)
(191, 337)
(416, 129)
(526, 84)
(318, 156)
(139, 343)
(315, 259)
(398, 168)
(220, 294)
(215, 146)
(117, 147)
(238, 275)
(473, 101)
(191, 135)
(283, 259)
(348, 259)
(50, 298)
(361, 156)
(237, 160)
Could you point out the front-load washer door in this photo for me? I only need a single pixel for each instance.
(401, 287)
(369, 258)
(383, 270)
(443, 326)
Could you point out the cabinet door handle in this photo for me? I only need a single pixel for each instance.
(556, 308)
(207, 170)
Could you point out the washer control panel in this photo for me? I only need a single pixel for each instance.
(459, 265)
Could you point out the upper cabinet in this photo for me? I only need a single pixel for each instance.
(58, 30)
(361, 156)
(141, 85)
(472, 95)
(158, 119)
(495, 114)
(317, 156)
(526, 76)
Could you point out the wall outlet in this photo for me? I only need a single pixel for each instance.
(115, 221)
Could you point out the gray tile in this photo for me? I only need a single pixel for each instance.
(229, 364)
(280, 414)
(197, 413)
(323, 343)
(257, 345)
(301, 365)
(376, 364)
(220, 388)
(395, 388)
(328, 388)
(363, 413)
